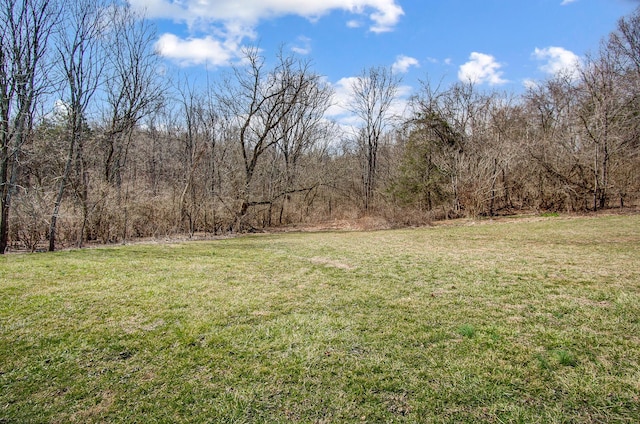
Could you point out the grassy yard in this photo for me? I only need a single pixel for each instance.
(524, 321)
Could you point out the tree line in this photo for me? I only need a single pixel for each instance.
(97, 146)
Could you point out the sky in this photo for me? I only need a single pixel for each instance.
(497, 44)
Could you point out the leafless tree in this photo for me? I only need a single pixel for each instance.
(603, 114)
(302, 129)
(511, 165)
(262, 104)
(625, 42)
(132, 84)
(624, 48)
(558, 177)
(194, 148)
(374, 91)
(81, 60)
(25, 29)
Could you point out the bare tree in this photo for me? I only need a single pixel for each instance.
(25, 28)
(192, 155)
(625, 42)
(81, 60)
(624, 48)
(374, 91)
(603, 115)
(298, 133)
(261, 104)
(511, 164)
(132, 84)
(558, 179)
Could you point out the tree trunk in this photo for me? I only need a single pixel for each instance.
(4, 199)
(58, 202)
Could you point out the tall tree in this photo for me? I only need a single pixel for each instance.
(624, 48)
(132, 84)
(558, 174)
(298, 133)
(25, 29)
(373, 93)
(261, 103)
(193, 151)
(625, 42)
(81, 62)
(604, 114)
(456, 123)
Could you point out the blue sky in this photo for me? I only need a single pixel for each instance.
(501, 44)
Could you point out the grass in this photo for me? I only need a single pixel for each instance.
(534, 321)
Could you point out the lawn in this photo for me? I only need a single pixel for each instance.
(522, 321)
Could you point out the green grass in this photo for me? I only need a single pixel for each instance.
(525, 321)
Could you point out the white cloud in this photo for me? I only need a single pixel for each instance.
(228, 22)
(303, 46)
(481, 68)
(196, 51)
(558, 61)
(566, 2)
(403, 63)
(342, 97)
(384, 14)
(447, 61)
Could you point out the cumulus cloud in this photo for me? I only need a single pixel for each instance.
(403, 63)
(232, 21)
(383, 14)
(481, 68)
(558, 61)
(195, 51)
(386, 15)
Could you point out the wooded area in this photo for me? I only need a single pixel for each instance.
(97, 146)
